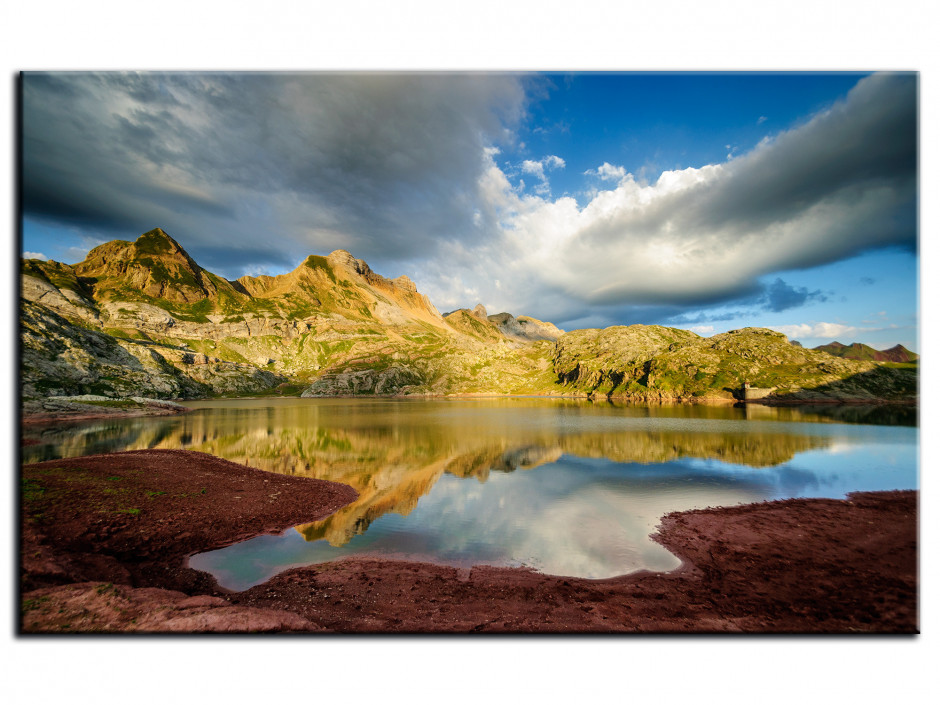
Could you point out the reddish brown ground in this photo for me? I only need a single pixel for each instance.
(92, 563)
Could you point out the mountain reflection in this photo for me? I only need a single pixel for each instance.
(393, 452)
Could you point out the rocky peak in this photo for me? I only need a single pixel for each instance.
(524, 327)
(899, 354)
(158, 239)
(155, 244)
(480, 312)
(405, 283)
(344, 259)
(154, 264)
(860, 351)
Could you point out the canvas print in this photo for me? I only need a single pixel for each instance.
(468, 352)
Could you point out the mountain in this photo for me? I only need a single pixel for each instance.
(143, 318)
(155, 271)
(331, 326)
(860, 351)
(655, 363)
(152, 267)
(478, 323)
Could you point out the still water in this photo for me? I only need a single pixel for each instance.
(566, 487)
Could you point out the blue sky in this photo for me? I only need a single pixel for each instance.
(652, 122)
(703, 201)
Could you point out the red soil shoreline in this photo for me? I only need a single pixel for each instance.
(105, 540)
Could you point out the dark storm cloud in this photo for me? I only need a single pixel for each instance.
(687, 320)
(387, 162)
(630, 314)
(777, 296)
(868, 139)
(78, 168)
(227, 259)
(780, 296)
(143, 89)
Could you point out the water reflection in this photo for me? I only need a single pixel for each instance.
(573, 517)
(393, 452)
(324, 437)
(568, 487)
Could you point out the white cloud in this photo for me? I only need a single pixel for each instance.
(762, 119)
(34, 255)
(532, 167)
(258, 271)
(821, 333)
(607, 172)
(702, 330)
(828, 331)
(708, 233)
(537, 169)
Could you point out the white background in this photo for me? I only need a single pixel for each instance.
(489, 35)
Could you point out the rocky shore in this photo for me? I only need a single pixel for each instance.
(93, 406)
(104, 543)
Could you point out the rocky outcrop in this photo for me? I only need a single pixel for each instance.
(86, 406)
(65, 302)
(344, 260)
(473, 325)
(403, 282)
(62, 359)
(401, 290)
(524, 327)
(500, 326)
(151, 319)
(588, 356)
(395, 379)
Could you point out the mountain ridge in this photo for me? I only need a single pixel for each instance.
(333, 326)
(860, 351)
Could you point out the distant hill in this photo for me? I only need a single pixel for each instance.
(860, 351)
(524, 328)
(143, 318)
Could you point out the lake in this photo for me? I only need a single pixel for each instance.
(567, 487)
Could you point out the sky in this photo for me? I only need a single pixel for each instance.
(706, 201)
